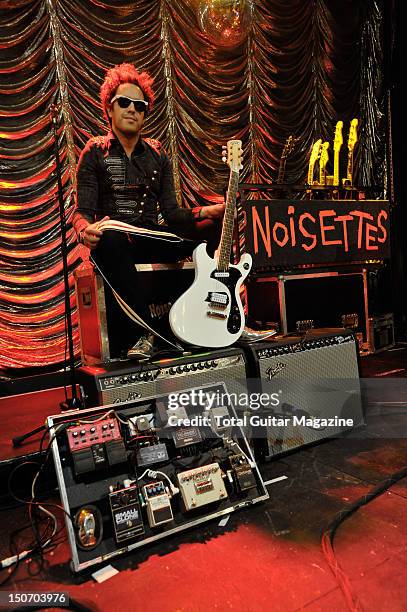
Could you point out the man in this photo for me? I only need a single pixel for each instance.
(123, 177)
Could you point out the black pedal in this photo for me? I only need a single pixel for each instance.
(155, 453)
(186, 436)
(242, 472)
(126, 513)
(116, 452)
(83, 461)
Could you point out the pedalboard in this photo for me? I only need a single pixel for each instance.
(129, 476)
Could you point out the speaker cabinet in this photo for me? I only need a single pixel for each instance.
(315, 385)
(127, 381)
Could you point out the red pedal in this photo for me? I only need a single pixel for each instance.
(88, 434)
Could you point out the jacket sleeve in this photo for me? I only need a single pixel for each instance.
(87, 188)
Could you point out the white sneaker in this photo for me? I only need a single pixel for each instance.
(143, 349)
(251, 335)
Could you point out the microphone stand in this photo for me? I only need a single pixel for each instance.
(74, 402)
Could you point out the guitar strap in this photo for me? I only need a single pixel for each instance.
(132, 314)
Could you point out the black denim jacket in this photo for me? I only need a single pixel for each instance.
(133, 190)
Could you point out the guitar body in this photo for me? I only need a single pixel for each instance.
(210, 312)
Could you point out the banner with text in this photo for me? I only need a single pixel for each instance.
(295, 232)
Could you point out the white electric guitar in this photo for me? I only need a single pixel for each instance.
(210, 312)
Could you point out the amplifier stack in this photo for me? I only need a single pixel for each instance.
(314, 377)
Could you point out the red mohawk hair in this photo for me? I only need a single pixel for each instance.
(125, 73)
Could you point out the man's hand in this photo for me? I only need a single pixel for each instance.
(91, 235)
(214, 211)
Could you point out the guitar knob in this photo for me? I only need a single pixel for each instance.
(246, 266)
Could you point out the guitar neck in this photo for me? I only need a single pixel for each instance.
(322, 174)
(349, 170)
(336, 166)
(228, 223)
(281, 171)
(311, 173)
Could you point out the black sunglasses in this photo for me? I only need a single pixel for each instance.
(124, 102)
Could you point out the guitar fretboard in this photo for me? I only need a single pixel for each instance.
(349, 171)
(281, 170)
(228, 223)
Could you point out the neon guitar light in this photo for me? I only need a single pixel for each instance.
(210, 312)
(315, 153)
(338, 141)
(288, 147)
(323, 160)
(352, 140)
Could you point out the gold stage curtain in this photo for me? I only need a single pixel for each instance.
(301, 68)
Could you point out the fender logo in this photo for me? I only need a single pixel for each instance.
(130, 398)
(275, 369)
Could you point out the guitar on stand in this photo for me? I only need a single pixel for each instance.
(323, 160)
(315, 153)
(352, 140)
(210, 312)
(288, 147)
(338, 141)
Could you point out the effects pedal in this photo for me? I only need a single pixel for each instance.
(158, 504)
(202, 486)
(96, 445)
(87, 434)
(126, 513)
(242, 473)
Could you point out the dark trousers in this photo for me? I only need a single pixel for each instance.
(116, 255)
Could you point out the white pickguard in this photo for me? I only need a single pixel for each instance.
(189, 318)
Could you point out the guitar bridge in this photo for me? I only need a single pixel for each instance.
(216, 315)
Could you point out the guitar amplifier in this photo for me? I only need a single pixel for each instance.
(126, 381)
(315, 382)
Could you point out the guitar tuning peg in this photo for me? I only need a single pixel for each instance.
(224, 159)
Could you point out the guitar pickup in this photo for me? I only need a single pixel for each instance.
(216, 315)
(218, 298)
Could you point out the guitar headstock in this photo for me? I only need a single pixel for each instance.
(338, 141)
(289, 146)
(316, 150)
(353, 136)
(232, 154)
